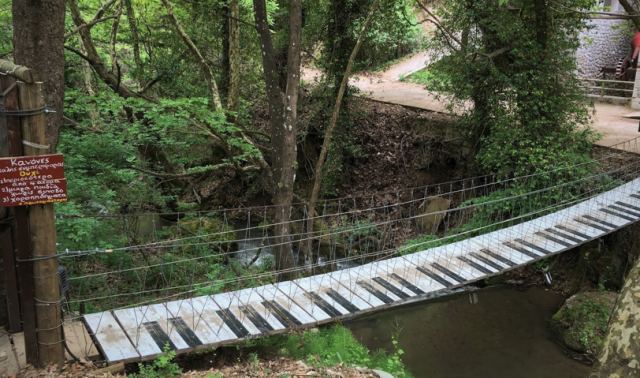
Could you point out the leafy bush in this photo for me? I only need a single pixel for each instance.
(435, 78)
(335, 345)
(161, 367)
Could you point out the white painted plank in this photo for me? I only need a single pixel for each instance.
(295, 293)
(231, 301)
(408, 272)
(252, 297)
(499, 251)
(112, 340)
(160, 314)
(324, 282)
(309, 285)
(132, 322)
(383, 269)
(349, 278)
(591, 232)
(370, 271)
(204, 307)
(196, 321)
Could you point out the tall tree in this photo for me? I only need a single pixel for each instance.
(283, 108)
(328, 135)
(233, 95)
(517, 67)
(207, 71)
(38, 43)
(135, 36)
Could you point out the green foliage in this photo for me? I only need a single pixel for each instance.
(106, 152)
(203, 266)
(335, 345)
(435, 77)
(161, 367)
(421, 243)
(393, 33)
(519, 70)
(6, 28)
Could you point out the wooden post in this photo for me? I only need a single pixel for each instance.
(43, 237)
(21, 242)
(7, 249)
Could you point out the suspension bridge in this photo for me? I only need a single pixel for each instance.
(370, 254)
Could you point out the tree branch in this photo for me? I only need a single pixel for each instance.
(436, 21)
(151, 83)
(216, 104)
(194, 172)
(631, 11)
(93, 58)
(88, 25)
(114, 37)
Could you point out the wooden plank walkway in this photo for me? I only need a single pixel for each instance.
(141, 333)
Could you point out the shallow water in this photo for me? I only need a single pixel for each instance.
(503, 335)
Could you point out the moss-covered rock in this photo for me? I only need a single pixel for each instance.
(206, 234)
(581, 323)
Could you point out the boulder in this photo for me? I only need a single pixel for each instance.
(432, 210)
(581, 323)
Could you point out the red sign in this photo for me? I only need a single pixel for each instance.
(31, 180)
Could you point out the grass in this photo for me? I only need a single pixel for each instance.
(432, 79)
(323, 348)
(333, 346)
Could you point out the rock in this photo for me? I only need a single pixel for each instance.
(429, 222)
(581, 323)
(382, 374)
(621, 348)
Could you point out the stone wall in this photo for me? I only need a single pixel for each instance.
(603, 43)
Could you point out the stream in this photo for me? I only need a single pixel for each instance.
(503, 335)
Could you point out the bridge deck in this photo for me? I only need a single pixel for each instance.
(202, 322)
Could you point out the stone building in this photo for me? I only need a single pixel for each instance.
(604, 42)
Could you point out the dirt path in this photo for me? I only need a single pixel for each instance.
(609, 119)
(386, 86)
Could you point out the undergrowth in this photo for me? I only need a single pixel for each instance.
(162, 367)
(333, 346)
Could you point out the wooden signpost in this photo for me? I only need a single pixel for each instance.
(31, 180)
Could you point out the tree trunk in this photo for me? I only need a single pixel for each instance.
(135, 35)
(38, 43)
(283, 114)
(326, 144)
(620, 356)
(628, 7)
(216, 104)
(233, 95)
(114, 39)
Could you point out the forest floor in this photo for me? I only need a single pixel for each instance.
(280, 367)
(386, 86)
